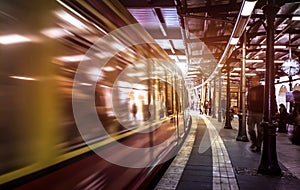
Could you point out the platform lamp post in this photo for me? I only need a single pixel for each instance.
(269, 163)
(227, 118)
(242, 135)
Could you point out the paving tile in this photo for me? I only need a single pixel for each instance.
(230, 164)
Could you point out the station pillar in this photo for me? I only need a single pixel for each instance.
(227, 118)
(242, 135)
(220, 94)
(269, 164)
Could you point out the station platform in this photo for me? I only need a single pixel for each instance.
(211, 158)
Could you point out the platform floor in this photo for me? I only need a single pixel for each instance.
(211, 158)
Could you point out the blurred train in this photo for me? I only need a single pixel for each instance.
(88, 99)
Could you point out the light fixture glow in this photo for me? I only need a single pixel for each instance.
(85, 84)
(104, 54)
(194, 72)
(22, 78)
(70, 19)
(174, 57)
(234, 41)
(118, 46)
(55, 32)
(220, 65)
(189, 76)
(248, 8)
(278, 61)
(261, 61)
(275, 46)
(13, 39)
(239, 69)
(181, 56)
(73, 58)
(296, 18)
(254, 61)
(108, 68)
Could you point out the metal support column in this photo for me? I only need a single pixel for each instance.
(220, 101)
(214, 100)
(269, 164)
(242, 135)
(227, 119)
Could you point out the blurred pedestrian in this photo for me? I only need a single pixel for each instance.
(206, 107)
(255, 113)
(200, 106)
(134, 111)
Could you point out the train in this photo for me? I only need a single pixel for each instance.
(88, 99)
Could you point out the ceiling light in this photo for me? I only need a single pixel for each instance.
(70, 19)
(190, 76)
(104, 54)
(181, 56)
(279, 47)
(275, 46)
(13, 39)
(55, 32)
(194, 72)
(296, 18)
(174, 57)
(258, 69)
(278, 61)
(118, 46)
(239, 69)
(73, 58)
(234, 41)
(220, 65)
(136, 74)
(254, 61)
(85, 84)
(22, 78)
(95, 73)
(247, 8)
(108, 68)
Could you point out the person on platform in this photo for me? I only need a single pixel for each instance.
(206, 107)
(200, 107)
(134, 111)
(282, 118)
(295, 137)
(255, 113)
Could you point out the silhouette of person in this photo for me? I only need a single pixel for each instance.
(295, 138)
(134, 111)
(282, 118)
(255, 113)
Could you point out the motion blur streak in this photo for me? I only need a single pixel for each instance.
(41, 146)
